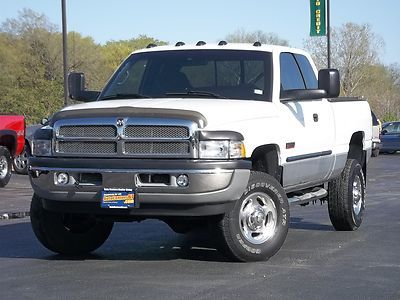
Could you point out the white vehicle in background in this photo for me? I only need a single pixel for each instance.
(376, 132)
(224, 136)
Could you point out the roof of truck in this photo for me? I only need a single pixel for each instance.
(221, 45)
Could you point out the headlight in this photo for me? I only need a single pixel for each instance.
(214, 149)
(41, 147)
(221, 149)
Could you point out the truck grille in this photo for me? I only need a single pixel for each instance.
(128, 137)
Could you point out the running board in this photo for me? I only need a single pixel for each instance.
(308, 197)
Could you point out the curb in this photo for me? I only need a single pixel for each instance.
(14, 215)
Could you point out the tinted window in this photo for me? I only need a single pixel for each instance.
(307, 71)
(291, 77)
(229, 73)
(129, 78)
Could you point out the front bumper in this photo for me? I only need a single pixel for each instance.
(213, 188)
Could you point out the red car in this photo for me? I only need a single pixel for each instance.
(12, 142)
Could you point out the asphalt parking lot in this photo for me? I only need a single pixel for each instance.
(147, 260)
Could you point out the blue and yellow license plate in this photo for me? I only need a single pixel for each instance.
(117, 198)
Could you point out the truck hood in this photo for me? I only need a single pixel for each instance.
(218, 112)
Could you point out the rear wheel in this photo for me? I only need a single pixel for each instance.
(71, 234)
(5, 166)
(258, 224)
(346, 200)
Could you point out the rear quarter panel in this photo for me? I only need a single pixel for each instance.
(350, 116)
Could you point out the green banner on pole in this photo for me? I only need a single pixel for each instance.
(317, 17)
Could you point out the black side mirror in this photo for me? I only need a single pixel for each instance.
(329, 81)
(76, 88)
(384, 131)
(44, 121)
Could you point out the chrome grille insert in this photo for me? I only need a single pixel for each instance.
(100, 131)
(151, 131)
(86, 147)
(157, 148)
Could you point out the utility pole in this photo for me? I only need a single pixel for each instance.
(65, 54)
(328, 32)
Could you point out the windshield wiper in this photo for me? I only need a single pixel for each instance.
(123, 96)
(195, 93)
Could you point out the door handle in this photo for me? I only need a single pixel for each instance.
(315, 117)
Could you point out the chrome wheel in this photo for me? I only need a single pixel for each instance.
(258, 218)
(21, 161)
(357, 195)
(3, 167)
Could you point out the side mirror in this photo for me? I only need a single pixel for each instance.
(329, 81)
(384, 131)
(76, 88)
(44, 121)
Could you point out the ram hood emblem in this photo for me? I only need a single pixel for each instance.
(120, 122)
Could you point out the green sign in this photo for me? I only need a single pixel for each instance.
(317, 14)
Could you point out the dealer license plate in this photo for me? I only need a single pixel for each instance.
(117, 198)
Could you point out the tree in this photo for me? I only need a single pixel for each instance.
(242, 36)
(381, 92)
(353, 49)
(31, 81)
(355, 52)
(33, 86)
(27, 21)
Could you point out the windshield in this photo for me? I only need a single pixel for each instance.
(230, 74)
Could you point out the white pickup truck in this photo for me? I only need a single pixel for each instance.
(223, 136)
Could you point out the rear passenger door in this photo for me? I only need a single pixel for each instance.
(309, 128)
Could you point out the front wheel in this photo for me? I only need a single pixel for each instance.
(258, 224)
(5, 166)
(20, 163)
(346, 199)
(70, 234)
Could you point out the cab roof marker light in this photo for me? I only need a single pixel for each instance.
(257, 44)
(178, 44)
(222, 43)
(200, 43)
(151, 45)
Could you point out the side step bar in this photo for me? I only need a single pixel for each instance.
(308, 196)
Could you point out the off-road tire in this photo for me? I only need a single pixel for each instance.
(66, 233)
(346, 197)
(5, 166)
(263, 197)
